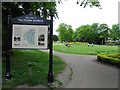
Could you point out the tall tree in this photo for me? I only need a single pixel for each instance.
(94, 28)
(114, 33)
(95, 33)
(91, 3)
(85, 3)
(62, 32)
(103, 33)
(75, 35)
(69, 33)
(85, 33)
(65, 32)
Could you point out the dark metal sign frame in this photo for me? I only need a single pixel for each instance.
(29, 19)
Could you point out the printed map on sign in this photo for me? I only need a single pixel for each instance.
(29, 36)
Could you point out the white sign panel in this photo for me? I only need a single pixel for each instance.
(30, 36)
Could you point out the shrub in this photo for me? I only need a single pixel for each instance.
(78, 42)
(113, 43)
(110, 58)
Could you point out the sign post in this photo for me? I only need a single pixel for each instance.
(50, 72)
(8, 51)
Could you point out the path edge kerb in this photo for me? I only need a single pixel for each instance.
(65, 76)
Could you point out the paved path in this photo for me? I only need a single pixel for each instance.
(89, 73)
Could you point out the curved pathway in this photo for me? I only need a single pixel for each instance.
(89, 73)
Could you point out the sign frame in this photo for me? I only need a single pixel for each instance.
(32, 20)
(29, 19)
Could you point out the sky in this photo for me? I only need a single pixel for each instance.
(72, 14)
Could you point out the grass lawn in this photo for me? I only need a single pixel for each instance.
(84, 49)
(40, 62)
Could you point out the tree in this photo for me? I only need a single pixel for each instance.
(43, 9)
(114, 32)
(69, 33)
(85, 33)
(55, 38)
(65, 32)
(62, 32)
(91, 3)
(94, 28)
(75, 35)
(95, 33)
(103, 33)
(85, 3)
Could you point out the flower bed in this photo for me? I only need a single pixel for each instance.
(78, 42)
(110, 58)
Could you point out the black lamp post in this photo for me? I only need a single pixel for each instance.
(50, 72)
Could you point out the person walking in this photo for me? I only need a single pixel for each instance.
(88, 44)
(92, 44)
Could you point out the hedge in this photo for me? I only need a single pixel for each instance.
(109, 58)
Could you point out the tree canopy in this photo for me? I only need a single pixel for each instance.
(114, 32)
(95, 33)
(65, 32)
(84, 3)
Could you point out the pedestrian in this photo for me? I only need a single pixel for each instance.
(88, 44)
(92, 44)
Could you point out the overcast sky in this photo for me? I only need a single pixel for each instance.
(72, 14)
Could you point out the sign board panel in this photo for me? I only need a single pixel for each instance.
(30, 36)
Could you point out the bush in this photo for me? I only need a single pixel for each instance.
(110, 58)
(113, 43)
(78, 42)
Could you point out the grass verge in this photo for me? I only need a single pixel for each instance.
(20, 70)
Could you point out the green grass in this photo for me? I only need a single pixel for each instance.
(40, 63)
(84, 49)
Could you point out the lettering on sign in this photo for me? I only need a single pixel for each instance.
(30, 19)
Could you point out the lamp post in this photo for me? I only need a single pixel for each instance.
(50, 72)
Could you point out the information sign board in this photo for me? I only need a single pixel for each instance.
(30, 36)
